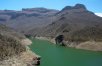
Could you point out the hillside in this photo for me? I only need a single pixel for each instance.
(78, 25)
(13, 48)
(70, 20)
(9, 43)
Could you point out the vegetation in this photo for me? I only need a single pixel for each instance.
(9, 43)
(9, 47)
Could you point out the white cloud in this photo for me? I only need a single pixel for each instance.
(99, 14)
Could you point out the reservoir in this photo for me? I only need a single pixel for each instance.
(53, 55)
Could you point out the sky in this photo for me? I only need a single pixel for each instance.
(92, 5)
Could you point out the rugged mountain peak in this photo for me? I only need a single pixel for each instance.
(67, 8)
(78, 6)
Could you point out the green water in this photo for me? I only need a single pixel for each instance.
(52, 55)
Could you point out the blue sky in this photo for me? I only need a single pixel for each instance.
(92, 5)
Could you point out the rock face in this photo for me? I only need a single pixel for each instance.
(14, 50)
(59, 39)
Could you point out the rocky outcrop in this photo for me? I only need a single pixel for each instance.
(59, 39)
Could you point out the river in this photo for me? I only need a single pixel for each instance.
(53, 55)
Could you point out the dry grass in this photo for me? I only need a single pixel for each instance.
(10, 43)
(9, 46)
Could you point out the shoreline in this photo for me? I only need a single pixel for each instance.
(88, 45)
(48, 39)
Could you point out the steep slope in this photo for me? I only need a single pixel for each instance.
(70, 20)
(9, 43)
(14, 52)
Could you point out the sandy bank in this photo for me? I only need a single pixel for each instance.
(47, 38)
(26, 42)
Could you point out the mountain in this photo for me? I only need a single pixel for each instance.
(27, 19)
(69, 21)
(75, 23)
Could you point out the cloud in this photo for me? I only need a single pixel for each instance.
(99, 14)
